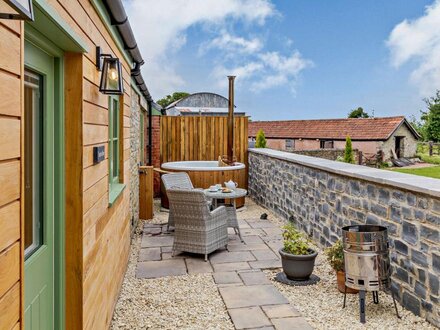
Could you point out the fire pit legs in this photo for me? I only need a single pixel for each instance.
(395, 305)
(376, 297)
(362, 305)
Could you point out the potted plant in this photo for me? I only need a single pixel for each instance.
(335, 256)
(297, 257)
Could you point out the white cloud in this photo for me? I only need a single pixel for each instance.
(419, 40)
(160, 28)
(233, 44)
(268, 70)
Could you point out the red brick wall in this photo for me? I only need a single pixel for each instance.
(155, 157)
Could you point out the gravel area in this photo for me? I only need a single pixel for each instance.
(321, 305)
(180, 302)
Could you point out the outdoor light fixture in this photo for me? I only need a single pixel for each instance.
(111, 76)
(23, 10)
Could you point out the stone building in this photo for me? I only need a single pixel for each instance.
(204, 104)
(368, 135)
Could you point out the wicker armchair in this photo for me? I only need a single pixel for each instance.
(178, 180)
(197, 229)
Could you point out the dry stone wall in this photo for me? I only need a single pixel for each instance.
(321, 196)
(134, 159)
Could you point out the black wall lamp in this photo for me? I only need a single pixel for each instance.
(23, 10)
(111, 76)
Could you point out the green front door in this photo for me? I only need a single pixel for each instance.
(39, 101)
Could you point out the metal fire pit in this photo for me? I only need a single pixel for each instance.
(367, 262)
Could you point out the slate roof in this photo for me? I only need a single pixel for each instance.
(333, 129)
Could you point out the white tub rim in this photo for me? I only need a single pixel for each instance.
(197, 166)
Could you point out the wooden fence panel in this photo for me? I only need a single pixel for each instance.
(201, 138)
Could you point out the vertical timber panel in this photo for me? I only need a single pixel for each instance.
(74, 190)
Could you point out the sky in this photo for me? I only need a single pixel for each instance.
(294, 59)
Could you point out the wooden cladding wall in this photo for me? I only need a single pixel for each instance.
(201, 138)
(11, 245)
(97, 235)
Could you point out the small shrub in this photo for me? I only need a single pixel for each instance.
(261, 140)
(335, 256)
(295, 242)
(348, 153)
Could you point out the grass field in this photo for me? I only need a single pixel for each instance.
(432, 172)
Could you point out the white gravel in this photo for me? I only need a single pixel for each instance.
(179, 302)
(321, 305)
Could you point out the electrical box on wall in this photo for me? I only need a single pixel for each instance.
(98, 154)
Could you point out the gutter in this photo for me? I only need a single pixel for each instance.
(119, 19)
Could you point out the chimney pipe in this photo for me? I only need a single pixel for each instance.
(231, 120)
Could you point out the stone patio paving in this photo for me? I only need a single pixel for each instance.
(250, 298)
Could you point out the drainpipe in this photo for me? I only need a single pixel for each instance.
(231, 120)
(150, 132)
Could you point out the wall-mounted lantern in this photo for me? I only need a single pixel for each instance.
(111, 76)
(23, 10)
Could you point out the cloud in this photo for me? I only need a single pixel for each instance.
(160, 29)
(418, 41)
(232, 44)
(268, 70)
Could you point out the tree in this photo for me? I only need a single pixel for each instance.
(167, 100)
(358, 113)
(348, 153)
(261, 140)
(432, 118)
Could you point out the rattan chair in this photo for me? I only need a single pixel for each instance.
(180, 180)
(196, 228)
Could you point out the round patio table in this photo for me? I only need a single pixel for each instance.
(230, 208)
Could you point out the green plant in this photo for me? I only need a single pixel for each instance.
(295, 242)
(261, 140)
(335, 256)
(348, 153)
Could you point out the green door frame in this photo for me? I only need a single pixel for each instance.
(55, 164)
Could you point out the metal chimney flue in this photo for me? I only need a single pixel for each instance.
(230, 150)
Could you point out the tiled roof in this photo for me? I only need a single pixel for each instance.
(337, 129)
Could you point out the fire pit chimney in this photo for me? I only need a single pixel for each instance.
(230, 150)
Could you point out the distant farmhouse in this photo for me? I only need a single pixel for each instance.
(369, 135)
(204, 104)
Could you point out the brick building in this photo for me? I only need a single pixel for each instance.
(369, 135)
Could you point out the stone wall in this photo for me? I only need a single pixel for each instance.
(330, 154)
(322, 196)
(155, 152)
(134, 159)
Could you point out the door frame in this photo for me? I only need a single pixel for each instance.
(58, 165)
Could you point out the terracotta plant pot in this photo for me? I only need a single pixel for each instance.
(340, 275)
(298, 267)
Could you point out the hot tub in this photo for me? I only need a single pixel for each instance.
(204, 174)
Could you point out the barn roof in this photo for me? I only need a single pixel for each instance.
(336, 129)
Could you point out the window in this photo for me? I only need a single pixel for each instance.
(290, 144)
(326, 144)
(114, 141)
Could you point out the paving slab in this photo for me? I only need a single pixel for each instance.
(149, 254)
(227, 278)
(254, 295)
(198, 266)
(262, 224)
(157, 241)
(265, 264)
(265, 255)
(155, 269)
(251, 232)
(254, 277)
(253, 239)
(166, 249)
(169, 255)
(274, 232)
(230, 266)
(247, 247)
(225, 256)
(291, 323)
(251, 317)
(280, 311)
